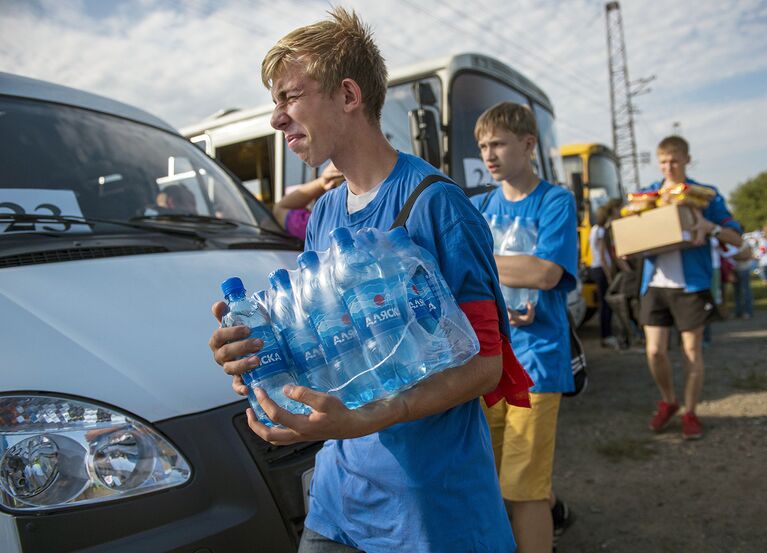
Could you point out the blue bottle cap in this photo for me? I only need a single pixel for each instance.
(309, 260)
(279, 279)
(342, 237)
(398, 235)
(232, 285)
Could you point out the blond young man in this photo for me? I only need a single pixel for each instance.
(415, 472)
(524, 439)
(676, 292)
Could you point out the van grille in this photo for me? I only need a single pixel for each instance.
(75, 254)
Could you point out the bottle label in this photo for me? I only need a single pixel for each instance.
(372, 309)
(337, 335)
(304, 347)
(272, 359)
(421, 297)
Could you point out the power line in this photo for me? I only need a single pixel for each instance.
(537, 53)
(552, 77)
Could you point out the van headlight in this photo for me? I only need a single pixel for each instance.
(58, 452)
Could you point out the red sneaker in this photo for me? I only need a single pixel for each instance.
(691, 427)
(663, 415)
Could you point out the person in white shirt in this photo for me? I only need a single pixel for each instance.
(600, 272)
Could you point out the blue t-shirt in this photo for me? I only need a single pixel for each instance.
(430, 484)
(543, 347)
(696, 261)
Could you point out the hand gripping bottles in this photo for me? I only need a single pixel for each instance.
(364, 320)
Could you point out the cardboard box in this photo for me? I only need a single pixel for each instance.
(654, 231)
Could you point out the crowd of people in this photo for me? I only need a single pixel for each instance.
(463, 461)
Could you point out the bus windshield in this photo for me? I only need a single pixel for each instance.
(471, 95)
(604, 181)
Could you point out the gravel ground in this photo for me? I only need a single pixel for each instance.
(633, 491)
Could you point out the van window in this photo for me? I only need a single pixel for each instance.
(60, 160)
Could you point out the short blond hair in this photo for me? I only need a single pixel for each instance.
(672, 144)
(508, 116)
(330, 51)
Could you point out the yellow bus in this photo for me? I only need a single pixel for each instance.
(592, 173)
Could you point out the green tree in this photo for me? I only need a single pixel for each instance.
(749, 202)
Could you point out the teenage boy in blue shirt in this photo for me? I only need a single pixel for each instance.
(676, 291)
(523, 439)
(414, 472)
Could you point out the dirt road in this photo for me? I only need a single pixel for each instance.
(633, 491)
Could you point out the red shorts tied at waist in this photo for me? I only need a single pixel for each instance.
(515, 383)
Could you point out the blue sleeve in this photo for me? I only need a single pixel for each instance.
(558, 236)
(460, 240)
(717, 212)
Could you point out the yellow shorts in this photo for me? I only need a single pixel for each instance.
(523, 445)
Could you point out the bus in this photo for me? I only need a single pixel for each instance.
(592, 172)
(430, 111)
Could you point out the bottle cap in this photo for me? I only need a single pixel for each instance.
(232, 285)
(398, 235)
(342, 237)
(279, 279)
(309, 260)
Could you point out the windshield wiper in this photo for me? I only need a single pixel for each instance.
(20, 224)
(206, 219)
(187, 218)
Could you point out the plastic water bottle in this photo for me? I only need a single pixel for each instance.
(520, 239)
(422, 289)
(499, 226)
(353, 381)
(381, 326)
(273, 372)
(298, 335)
(423, 296)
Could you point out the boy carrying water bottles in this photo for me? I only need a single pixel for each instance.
(413, 472)
(523, 439)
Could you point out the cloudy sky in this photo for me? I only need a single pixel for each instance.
(185, 59)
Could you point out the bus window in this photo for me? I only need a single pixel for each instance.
(296, 171)
(572, 164)
(394, 119)
(549, 145)
(603, 173)
(253, 162)
(473, 94)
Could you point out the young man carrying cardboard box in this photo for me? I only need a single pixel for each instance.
(676, 292)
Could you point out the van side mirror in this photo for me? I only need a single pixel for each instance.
(424, 125)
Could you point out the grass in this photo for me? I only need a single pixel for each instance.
(626, 449)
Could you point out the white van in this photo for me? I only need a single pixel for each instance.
(118, 432)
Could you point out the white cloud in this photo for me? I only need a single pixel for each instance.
(185, 59)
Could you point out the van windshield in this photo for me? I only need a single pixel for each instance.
(57, 160)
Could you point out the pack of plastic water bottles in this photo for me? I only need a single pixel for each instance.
(514, 236)
(363, 320)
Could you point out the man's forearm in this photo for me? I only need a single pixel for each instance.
(730, 236)
(436, 394)
(527, 271)
(303, 195)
